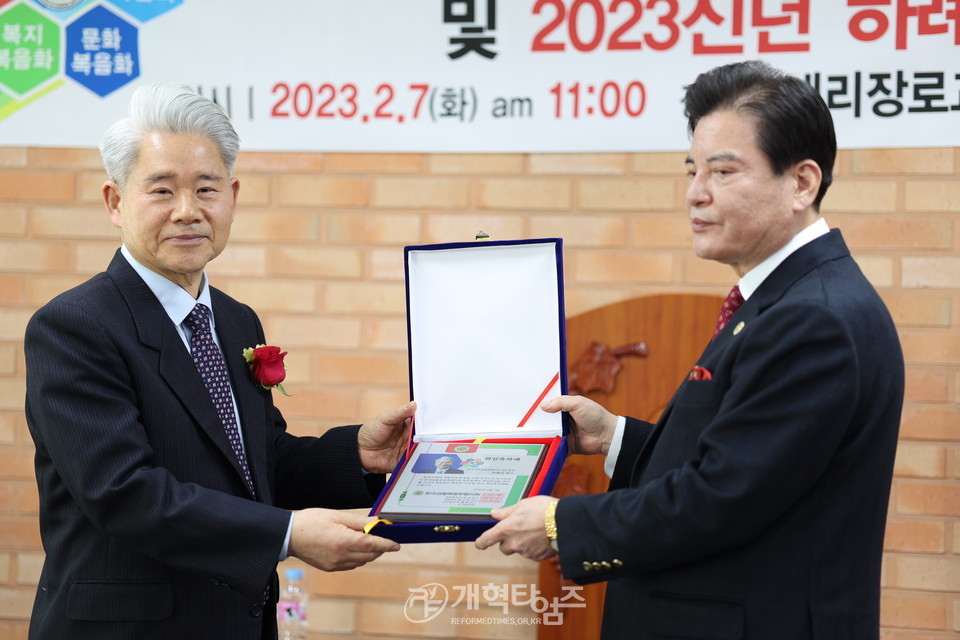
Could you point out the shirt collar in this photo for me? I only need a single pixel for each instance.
(176, 302)
(752, 279)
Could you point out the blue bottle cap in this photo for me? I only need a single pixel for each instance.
(294, 574)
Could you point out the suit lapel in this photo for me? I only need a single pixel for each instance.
(177, 369)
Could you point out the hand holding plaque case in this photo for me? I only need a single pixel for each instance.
(485, 328)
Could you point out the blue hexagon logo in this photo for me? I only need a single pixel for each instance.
(102, 51)
(144, 10)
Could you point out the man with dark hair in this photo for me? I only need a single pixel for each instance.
(755, 507)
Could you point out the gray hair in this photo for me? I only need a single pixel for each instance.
(165, 108)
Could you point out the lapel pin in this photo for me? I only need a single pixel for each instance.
(737, 329)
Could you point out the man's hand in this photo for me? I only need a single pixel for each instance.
(593, 426)
(384, 438)
(520, 530)
(334, 540)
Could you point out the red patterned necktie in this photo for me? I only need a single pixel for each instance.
(730, 306)
(213, 370)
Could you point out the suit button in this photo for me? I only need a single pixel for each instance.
(596, 566)
(256, 610)
(605, 565)
(587, 566)
(617, 563)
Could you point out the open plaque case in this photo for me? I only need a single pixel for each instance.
(485, 332)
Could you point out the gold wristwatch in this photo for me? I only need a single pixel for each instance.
(550, 524)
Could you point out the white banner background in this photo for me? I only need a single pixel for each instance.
(272, 58)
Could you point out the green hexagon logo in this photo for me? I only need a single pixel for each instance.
(29, 49)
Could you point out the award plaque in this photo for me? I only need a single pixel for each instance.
(485, 331)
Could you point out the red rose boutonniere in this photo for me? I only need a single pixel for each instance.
(266, 365)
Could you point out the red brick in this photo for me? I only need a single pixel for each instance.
(878, 269)
(928, 498)
(311, 260)
(63, 158)
(255, 190)
(918, 536)
(627, 194)
(361, 368)
(366, 163)
(902, 161)
(90, 187)
(386, 264)
(275, 295)
(421, 193)
(377, 400)
(26, 255)
(257, 225)
(37, 186)
(339, 404)
(464, 227)
(465, 163)
(928, 573)
(238, 260)
(13, 220)
(924, 385)
(913, 611)
(878, 232)
(19, 533)
(931, 272)
(699, 271)
(606, 266)
(16, 603)
(381, 228)
(920, 461)
(660, 231)
(13, 322)
(581, 231)
(930, 347)
(362, 298)
(578, 163)
(89, 221)
(919, 310)
(932, 422)
(317, 191)
(279, 162)
(662, 164)
(932, 195)
(13, 156)
(12, 288)
(527, 194)
(866, 196)
(312, 331)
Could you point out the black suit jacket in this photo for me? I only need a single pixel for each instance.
(148, 529)
(755, 508)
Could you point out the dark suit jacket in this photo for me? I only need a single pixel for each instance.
(755, 508)
(148, 528)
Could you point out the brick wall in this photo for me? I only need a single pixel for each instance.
(317, 249)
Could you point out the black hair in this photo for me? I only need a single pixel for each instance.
(793, 121)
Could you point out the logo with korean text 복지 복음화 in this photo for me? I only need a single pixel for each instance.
(47, 43)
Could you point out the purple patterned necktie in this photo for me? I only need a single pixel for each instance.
(213, 370)
(730, 306)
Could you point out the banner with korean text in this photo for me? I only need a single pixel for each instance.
(472, 75)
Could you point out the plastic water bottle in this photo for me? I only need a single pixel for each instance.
(292, 607)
